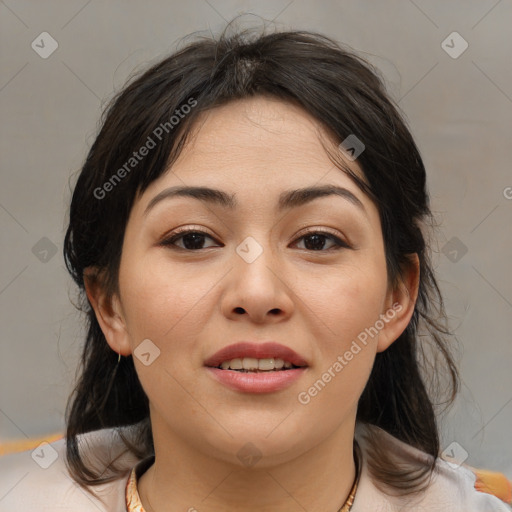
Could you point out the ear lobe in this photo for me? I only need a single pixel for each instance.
(400, 304)
(108, 311)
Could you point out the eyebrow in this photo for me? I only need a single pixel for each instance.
(287, 199)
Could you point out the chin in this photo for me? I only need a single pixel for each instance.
(254, 447)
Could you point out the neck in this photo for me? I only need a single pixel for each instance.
(186, 478)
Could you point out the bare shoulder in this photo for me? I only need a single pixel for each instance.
(39, 479)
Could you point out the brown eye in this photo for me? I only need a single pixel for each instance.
(193, 240)
(315, 241)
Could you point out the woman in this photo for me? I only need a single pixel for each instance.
(248, 234)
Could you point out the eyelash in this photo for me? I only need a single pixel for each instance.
(169, 242)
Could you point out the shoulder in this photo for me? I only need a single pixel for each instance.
(451, 488)
(39, 479)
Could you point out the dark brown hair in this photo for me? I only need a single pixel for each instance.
(346, 95)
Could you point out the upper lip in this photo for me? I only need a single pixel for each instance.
(261, 350)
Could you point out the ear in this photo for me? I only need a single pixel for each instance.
(400, 304)
(108, 312)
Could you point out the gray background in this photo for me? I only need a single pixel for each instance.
(459, 110)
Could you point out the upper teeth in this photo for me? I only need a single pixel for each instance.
(251, 363)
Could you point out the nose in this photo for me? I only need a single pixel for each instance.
(257, 290)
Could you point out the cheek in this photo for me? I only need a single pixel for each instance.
(164, 302)
(345, 302)
(348, 304)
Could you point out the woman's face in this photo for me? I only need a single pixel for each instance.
(308, 273)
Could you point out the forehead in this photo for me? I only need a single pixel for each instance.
(262, 129)
(255, 149)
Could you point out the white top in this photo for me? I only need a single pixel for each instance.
(38, 480)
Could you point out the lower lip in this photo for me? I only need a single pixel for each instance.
(262, 382)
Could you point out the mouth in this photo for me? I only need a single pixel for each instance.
(255, 357)
(256, 367)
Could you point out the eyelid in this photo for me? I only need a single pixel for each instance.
(324, 231)
(184, 230)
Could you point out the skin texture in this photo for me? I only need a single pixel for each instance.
(191, 303)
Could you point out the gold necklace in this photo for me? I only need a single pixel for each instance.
(346, 507)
